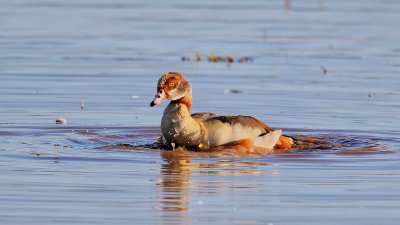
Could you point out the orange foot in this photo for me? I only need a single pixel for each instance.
(285, 142)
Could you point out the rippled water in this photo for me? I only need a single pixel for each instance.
(322, 70)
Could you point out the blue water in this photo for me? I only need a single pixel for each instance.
(98, 168)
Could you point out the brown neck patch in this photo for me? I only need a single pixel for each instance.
(187, 100)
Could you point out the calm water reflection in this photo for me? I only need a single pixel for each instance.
(177, 185)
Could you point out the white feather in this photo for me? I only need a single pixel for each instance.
(269, 140)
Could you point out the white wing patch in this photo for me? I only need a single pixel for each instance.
(269, 140)
(225, 133)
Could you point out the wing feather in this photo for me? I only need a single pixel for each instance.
(242, 120)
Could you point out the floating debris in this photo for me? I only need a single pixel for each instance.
(288, 4)
(325, 70)
(184, 58)
(83, 104)
(232, 91)
(214, 58)
(245, 59)
(61, 121)
(199, 57)
(229, 59)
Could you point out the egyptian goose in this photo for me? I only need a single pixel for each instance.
(207, 130)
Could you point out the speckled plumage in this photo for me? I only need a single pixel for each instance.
(204, 129)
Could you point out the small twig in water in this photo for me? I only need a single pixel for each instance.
(83, 104)
(325, 70)
(287, 4)
(265, 35)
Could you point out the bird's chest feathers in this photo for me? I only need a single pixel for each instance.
(178, 126)
(173, 122)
